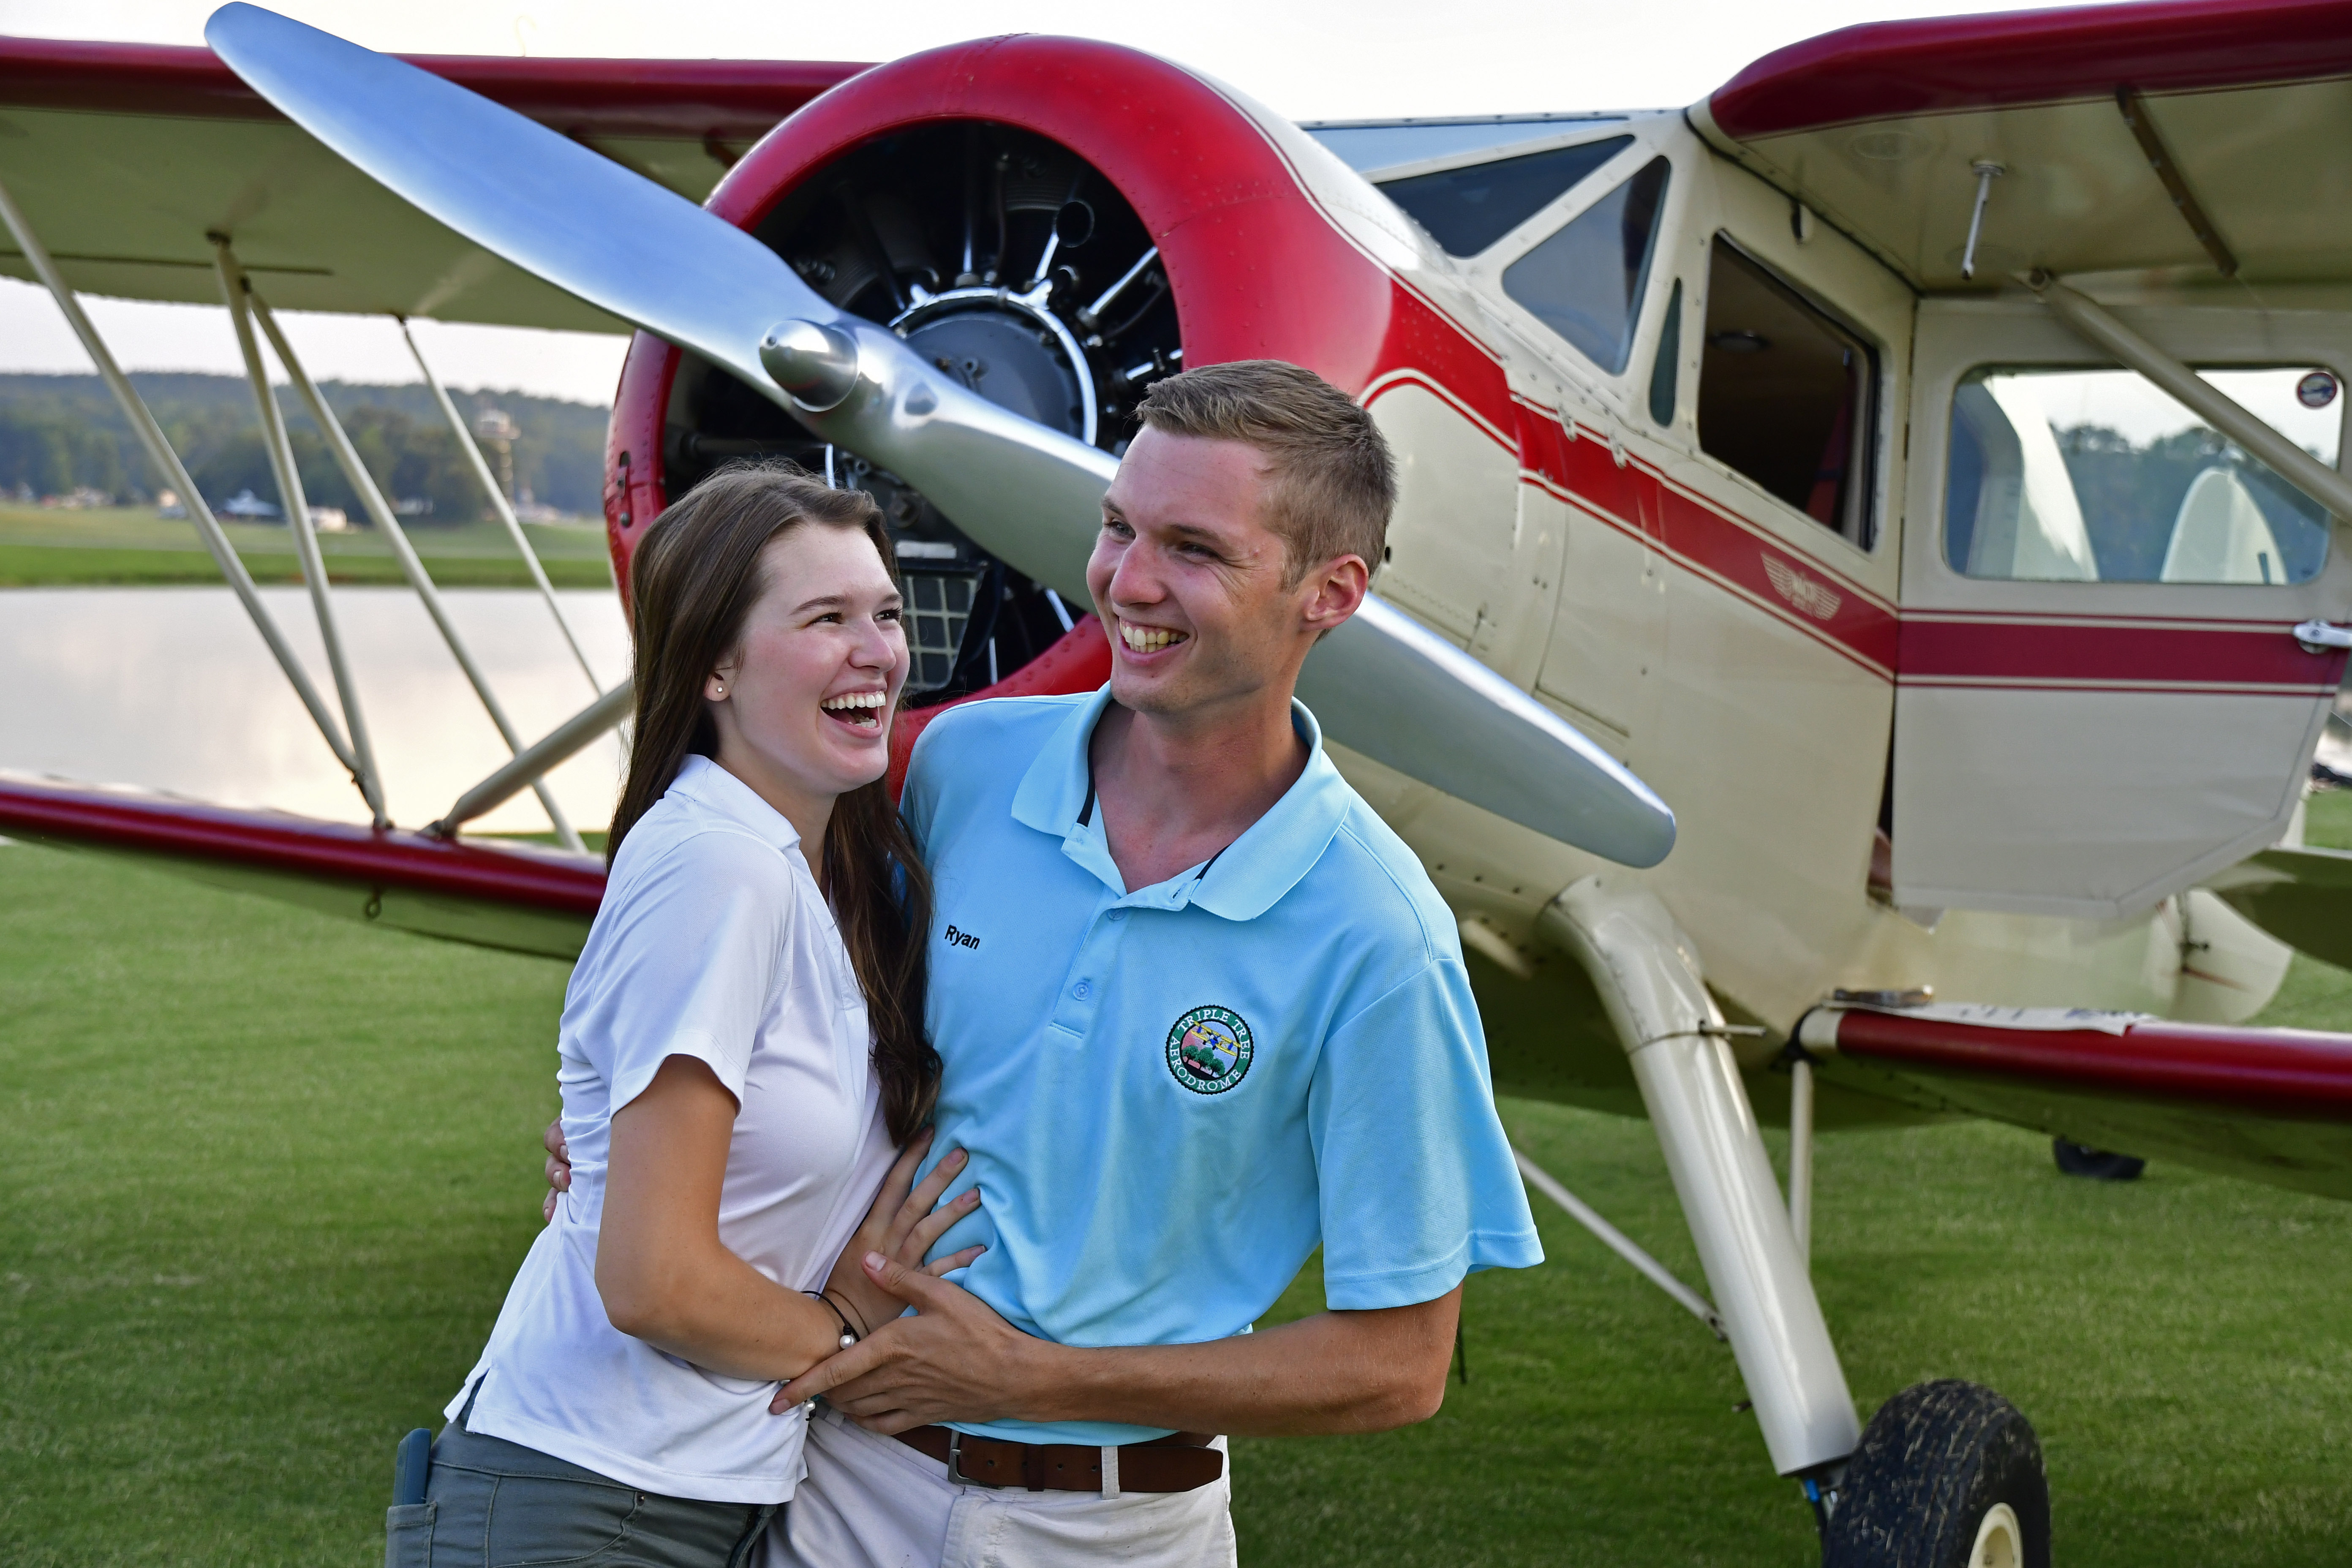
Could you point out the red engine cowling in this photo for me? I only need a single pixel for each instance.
(923, 193)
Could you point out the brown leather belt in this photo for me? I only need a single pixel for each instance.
(1179, 1462)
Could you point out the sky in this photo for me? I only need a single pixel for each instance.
(1313, 59)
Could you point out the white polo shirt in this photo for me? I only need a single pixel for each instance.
(713, 943)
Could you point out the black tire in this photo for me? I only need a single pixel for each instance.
(2097, 1164)
(1934, 1462)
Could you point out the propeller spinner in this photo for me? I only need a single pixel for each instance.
(1381, 685)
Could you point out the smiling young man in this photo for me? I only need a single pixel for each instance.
(1202, 1014)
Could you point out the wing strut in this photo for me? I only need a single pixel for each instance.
(297, 522)
(1617, 1242)
(497, 501)
(380, 512)
(2298, 468)
(529, 766)
(169, 468)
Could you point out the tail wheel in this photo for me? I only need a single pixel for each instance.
(2097, 1164)
(1948, 1475)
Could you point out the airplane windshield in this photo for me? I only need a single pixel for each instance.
(2097, 476)
(1466, 210)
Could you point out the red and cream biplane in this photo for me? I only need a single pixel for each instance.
(1919, 462)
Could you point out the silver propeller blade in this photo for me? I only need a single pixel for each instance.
(1028, 495)
(578, 220)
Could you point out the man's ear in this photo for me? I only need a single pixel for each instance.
(1334, 592)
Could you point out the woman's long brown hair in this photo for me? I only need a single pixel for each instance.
(693, 583)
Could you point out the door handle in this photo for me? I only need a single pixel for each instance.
(2319, 637)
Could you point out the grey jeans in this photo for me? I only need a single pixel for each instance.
(489, 1503)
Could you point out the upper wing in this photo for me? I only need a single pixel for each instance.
(124, 157)
(1879, 129)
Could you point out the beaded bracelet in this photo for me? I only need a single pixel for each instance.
(848, 1335)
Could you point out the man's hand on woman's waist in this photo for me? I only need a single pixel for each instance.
(955, 1360)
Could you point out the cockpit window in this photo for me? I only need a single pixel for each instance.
(1466, 210)
(1585, 282)
(1786, 395)
(2098, 475)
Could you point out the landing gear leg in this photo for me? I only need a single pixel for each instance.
(1948, 1475)
(1646, 971)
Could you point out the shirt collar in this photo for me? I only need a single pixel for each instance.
(715, 789)
(1247, 879)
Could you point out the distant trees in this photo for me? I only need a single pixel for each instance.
(58, 432)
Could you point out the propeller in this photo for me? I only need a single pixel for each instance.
(1380, 685)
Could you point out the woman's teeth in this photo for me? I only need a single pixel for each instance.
(1147, 639)
(860, 707)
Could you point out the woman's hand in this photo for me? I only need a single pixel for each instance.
(901, 1226)
(558, 1168)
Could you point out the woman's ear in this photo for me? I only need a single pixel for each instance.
(714, 686)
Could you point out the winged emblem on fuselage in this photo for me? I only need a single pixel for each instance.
(1818, 600)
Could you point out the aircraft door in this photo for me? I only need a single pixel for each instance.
(2100, 697)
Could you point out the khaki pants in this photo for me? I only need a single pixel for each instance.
(873, 1502)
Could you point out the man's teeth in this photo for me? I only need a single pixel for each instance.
(1147, 639)
(855, 706)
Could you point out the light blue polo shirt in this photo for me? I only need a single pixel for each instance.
(1172, 1096)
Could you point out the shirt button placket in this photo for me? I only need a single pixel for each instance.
(1081, 994)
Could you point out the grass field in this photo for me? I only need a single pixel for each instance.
(264, 1177)
(42, 548)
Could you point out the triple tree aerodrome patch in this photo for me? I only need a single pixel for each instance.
(1209, 1050)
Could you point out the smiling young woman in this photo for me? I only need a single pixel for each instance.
(741, 1053)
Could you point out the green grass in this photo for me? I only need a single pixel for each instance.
(43, 548)
(2327, 819)
(264, 1177)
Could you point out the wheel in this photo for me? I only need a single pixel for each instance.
(2097, 1164)
(1948, 1475)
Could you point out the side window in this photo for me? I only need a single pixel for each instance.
(2098, 475)
(1585, 281)
(1466, 210)
(1788, 395)
(1670, 355)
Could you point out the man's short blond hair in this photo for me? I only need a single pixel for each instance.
(1334, 480)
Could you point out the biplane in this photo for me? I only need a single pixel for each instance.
(1869, 580)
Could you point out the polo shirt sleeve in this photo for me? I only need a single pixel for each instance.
(1417, 1183)
(692, 967)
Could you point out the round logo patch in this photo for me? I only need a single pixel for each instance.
(1209, 1050)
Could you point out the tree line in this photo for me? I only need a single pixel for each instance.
(60, 433)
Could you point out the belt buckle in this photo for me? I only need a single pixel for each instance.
(955, 1464)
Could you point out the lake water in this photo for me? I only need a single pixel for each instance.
(172, 688)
